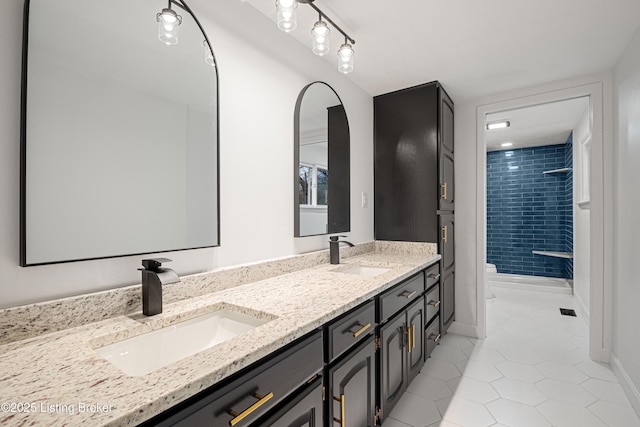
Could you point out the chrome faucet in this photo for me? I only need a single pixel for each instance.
(334, 248)
(153, 277)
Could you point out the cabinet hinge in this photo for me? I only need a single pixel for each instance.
(377, 417)
(377, 343)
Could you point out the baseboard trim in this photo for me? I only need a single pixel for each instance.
(464, 329)
(582, 308)
(627, 385)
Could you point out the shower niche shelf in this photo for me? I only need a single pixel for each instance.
(566, 255)
(563, 170)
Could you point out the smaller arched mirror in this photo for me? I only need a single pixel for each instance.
(321, 160)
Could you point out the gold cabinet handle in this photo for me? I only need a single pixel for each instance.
(444, 234)
(434, 276)
(443, 194)
(413, 336)
(434, 337)
(237, 417)
(361, 330)
(341, 420)
(407, 294)
(434, 303)
(408, 332)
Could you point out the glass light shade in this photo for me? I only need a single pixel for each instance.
(345, 58)
(208, 55)
(168, 24)
(286, 14)
(320, 38)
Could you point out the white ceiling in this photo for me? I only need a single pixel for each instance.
(545, 124)
(474, 48)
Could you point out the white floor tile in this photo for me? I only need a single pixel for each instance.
(481, 371)
(467, 413)
(562, 372)
(521, 355)
(476, 390)
(597, 370)
(615, 415)
(566, 392)
(607, 391)
(391, 422)
(444, 423)
(440, 369)
(415, 411)
(572, 357)
(484, 355)
(519, 391)
(429, 387)
(563, 414)
(516, 414)
(449, 354)
(518, 371)
(456, 341)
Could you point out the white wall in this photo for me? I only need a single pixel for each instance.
(626, 345)
(581, 217)
(262, 71)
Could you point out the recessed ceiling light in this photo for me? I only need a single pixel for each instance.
(506, 144)
(498, 125)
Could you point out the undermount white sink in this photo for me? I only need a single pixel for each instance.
(145, 353)
(364, 270)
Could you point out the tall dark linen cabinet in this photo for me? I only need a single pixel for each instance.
(414, 179)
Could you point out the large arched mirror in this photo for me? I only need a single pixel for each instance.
(321, 159)
(119, 131)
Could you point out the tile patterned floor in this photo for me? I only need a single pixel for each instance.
(531, 370)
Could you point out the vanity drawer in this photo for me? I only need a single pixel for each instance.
(432, 275)
(432, 336)
(394, 299)
(349, 329)
(255, 392)
(432, 302)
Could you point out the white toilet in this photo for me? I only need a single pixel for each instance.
(491, 270)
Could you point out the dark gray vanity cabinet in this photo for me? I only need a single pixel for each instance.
(433, 307)
(252, 393)
(447, 264)
(414, 172)
(402, 314)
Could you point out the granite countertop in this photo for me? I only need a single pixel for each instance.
(58, 378)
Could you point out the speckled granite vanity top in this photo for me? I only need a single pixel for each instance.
(57, 378)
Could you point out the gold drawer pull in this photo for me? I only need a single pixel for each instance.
(434, 337)
(413, 336)
(244, 414)
(444, 234)
(444, 191)
(407, 294)
(434, 303)
(434, 276)
(359, 332)
(409, 346)
(341, 420)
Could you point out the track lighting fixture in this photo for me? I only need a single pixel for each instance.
(286, 18)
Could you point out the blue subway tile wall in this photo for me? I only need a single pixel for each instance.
(527, 210)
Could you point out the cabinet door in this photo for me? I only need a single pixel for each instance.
(446, 245)
(352, 388)
(445, 154)
(304, 410)
(393, 360)
(448, 298)
(447, 184)
(415, 349)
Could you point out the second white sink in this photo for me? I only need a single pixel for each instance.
(145, 353)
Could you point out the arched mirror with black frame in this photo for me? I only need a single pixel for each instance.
(321, 163)
(119, 130)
